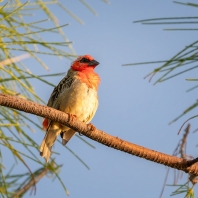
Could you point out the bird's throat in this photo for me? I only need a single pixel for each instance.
(89, 77)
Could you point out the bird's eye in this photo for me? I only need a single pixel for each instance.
(84, 60)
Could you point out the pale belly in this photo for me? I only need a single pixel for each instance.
(80, 101)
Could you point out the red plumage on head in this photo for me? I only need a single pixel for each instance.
(78, 65)
(86, 70)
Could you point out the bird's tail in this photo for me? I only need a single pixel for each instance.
(48, 141)
(67, 135)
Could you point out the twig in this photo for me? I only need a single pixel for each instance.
(164, 184)
(179, 150)
(184, 141)
(31, 183)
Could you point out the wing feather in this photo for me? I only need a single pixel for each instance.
(65, 83)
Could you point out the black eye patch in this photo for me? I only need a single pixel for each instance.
(84, 60)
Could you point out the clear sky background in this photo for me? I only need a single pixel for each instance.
(129, 106)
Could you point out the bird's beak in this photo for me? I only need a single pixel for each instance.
(93, 63)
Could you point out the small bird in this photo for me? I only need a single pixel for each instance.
(76, 94)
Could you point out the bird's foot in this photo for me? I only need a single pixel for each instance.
(71, 117)
(91, 127)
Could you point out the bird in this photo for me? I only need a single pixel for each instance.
(76, 94)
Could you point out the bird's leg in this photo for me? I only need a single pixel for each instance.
(91, 127)
(71, 117)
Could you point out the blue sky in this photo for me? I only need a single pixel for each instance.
(129, 106)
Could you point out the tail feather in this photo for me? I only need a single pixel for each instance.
(47, 143)
(67, 135)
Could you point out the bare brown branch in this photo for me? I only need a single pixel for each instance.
(97, 135)
(179, 150)
(31, 183)
(184, 141)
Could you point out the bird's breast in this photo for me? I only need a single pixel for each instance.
(79, 100)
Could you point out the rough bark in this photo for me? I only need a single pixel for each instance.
(100, 136)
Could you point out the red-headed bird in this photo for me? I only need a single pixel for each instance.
(75, 94)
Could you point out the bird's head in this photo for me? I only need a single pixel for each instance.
(84, 62)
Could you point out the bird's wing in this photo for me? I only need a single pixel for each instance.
(65, 83)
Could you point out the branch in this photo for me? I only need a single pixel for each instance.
(31, 183)
(100, 136)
